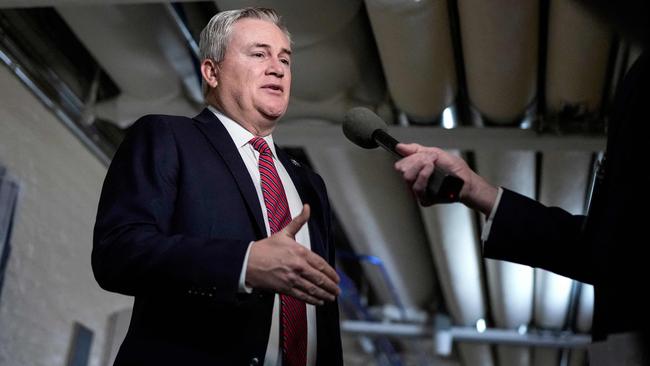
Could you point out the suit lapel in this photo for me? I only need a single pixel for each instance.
(218, 136)
(307, 195)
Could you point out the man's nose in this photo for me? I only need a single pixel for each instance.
(275, 67)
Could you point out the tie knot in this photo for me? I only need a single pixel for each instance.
(260, 145)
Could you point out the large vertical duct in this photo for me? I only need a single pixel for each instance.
(381, 218)
(577, 58)
(414, 42)
(500, 42)
(563, 184)
(139, 48)
(585, 309)
(472, 354)
(584, 317)
(545, 357)
(451, 231)
(510, 285)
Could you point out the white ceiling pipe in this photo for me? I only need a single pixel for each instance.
(414, 42)
(452, 237)
(380, 218)
(500, 42)
(140, 50)
(564, 181)
(344, 63)
(511, 296)
(451, 230)
(577, 357)
(513, 355)
(552, 298)
(308, 21)
(577, 58)
(510, 285)
(583, 321)
(585, 309)
(333, 58)
(331, 112)
(475, 354)
(563, 184)
(545, 357)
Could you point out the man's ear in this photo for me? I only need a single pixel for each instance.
(209, 71)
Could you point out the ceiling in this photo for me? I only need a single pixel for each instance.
(520, 88)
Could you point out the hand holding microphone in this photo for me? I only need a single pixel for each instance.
(431, 183)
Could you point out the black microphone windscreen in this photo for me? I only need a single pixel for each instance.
(359, 125)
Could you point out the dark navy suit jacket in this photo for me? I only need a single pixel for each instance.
(610, 247)
(177, 212)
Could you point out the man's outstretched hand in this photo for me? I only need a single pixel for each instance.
(281, 264)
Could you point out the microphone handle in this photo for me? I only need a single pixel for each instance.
(442, 187)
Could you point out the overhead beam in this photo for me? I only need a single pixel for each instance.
(464, 138)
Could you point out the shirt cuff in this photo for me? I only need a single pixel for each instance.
(242, 276)
(488, 224)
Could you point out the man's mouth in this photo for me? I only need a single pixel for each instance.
(275, 88)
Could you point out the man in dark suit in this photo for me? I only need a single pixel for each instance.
(195, 221)
(609, 247)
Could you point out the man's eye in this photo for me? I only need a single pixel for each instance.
(286, 62)
(258, 54)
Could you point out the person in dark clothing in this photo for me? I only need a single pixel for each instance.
(607, 248)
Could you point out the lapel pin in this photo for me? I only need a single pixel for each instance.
(295, 162)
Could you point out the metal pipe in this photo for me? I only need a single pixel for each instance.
(513, 337)
(183, 29)
(468, 334)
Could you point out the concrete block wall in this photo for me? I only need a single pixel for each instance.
(49, 284)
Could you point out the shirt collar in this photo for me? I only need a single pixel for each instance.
(239, 134)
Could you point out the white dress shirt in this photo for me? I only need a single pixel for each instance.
(250, 156)
(485, 234)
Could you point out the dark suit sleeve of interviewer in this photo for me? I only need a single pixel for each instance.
(135, 249)
(525, 231)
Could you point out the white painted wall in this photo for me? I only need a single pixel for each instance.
(49, 284)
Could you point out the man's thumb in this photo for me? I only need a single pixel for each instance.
(294, 226)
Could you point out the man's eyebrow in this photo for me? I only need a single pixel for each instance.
(264, 45)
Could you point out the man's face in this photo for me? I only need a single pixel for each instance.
(254, 77)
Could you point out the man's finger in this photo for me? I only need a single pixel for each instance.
(294, 226)
(326, 286)
(301, 295)
(323, 267)
(313, 289)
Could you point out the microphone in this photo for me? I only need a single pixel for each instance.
(366, 129)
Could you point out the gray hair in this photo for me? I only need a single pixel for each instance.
(216, 35)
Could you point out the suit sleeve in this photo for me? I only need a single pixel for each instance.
(134, 249)
(527, 232)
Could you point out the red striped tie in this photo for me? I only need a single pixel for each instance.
(293, 327)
